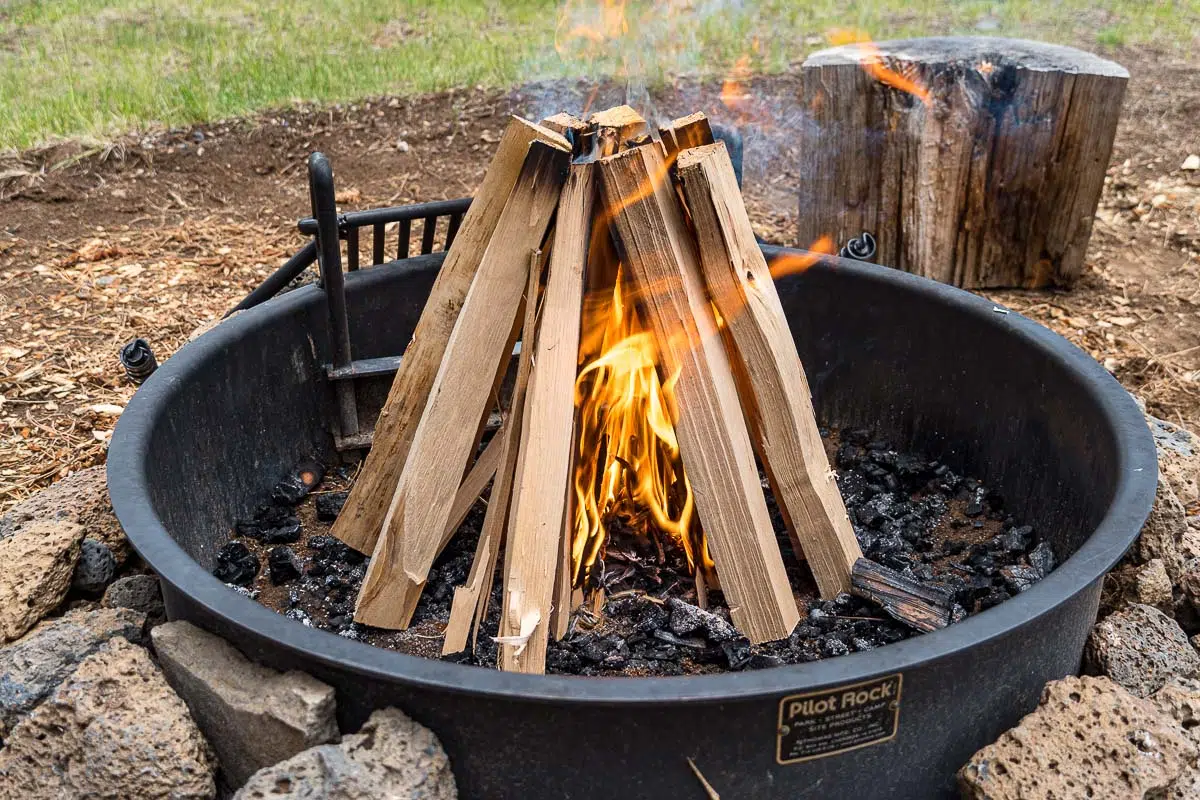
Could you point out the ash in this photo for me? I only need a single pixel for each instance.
(909, 513)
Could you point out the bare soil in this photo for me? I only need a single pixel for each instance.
(156, 235)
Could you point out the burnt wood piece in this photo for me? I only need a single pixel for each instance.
(542, 486)
(442, 444)
(922, 607)
(576, 131)
(992, 180)
(362, 518)
(654, 241)
(771, 381)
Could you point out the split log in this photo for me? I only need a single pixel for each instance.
(543, 485)
(615, 126)
(653, 239)
(362, 518)
(991, 180)
(478, 477)
(926, 608)
(684, 133)
(772, 384)
(471, 599)
(420, 507)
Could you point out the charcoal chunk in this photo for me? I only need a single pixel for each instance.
(283, 564)
(329, 505)
(1041, 558)
(738, 652)
(296, 485)
(236, 564)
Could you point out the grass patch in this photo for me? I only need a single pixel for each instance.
(97, 67)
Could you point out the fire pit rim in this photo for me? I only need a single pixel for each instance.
(1132, 500)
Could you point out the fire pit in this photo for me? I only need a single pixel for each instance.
(930, 368)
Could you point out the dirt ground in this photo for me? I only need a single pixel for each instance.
(153, 236)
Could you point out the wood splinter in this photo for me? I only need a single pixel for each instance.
(926, 608)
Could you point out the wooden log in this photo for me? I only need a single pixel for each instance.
(471, 599)
(993, 180)
(441, 445)
(653, 240)
(615, 126)
(543, 485)
(362, 518)
(926, 608)
(772, 386)
(575, 130)
(478, 477)
(683, 133)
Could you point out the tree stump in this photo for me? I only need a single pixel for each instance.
(989, 179)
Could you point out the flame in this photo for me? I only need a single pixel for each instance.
(794, 263)
(733, 90)
(590, 25)
(629, 464)
(872, 61)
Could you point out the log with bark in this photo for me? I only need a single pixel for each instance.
(983, 170)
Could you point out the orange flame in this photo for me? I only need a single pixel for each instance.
(629, 464)
(589, 25)
(794, 263)
(872, 61)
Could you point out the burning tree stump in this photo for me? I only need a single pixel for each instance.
(974, 161)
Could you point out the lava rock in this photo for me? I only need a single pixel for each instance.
(34, 665)
(81, 498)
(1164, 531)
(283, 564)
(391, 756)
(38, 561)
(330, 504)
(138, 592)
(1140, 648)
(254, 716)
(236, 564)
(112, 729)
(1152, 585)
(95, 567)
(1087, 738)
(1178, 458)
(1042, 559)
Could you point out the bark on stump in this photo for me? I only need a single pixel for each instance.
(991, 180)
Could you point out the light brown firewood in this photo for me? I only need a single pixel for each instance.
(615, 126)
(471, 599)
(772, 386)
(362, 518)
(478, 477)
(685, 132)
(421, 504)
(714, 442)
(564, 122)
(543, 476)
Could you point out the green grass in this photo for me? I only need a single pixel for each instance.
(99, 67)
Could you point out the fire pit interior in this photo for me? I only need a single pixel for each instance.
(974, 450)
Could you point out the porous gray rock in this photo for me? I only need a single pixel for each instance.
(38, 559)
(253, 716)
(113, 729)
(391, 757)
(1152, 585)
(82, 498)
(34, 665)
(139, 592)
(95, 567)
(1163, 532)
(1178, 458)
(1088, 738)
(1140, 648)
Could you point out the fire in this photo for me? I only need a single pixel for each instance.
(590, 23)
(628, 463)
(791, 264)
(733, 90)
(872, 61)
